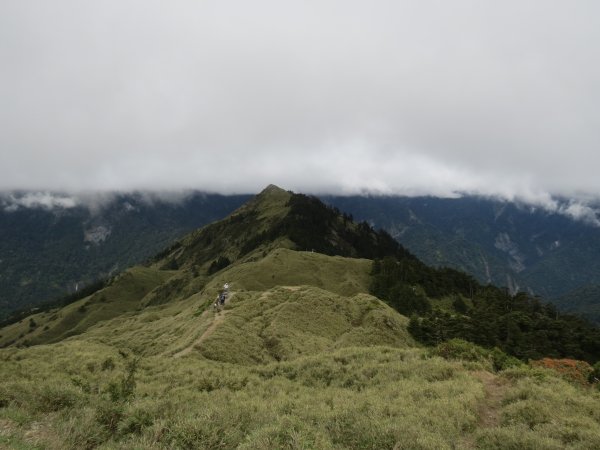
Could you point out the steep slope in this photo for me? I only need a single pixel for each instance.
(124, 295)
(46, 252)
(507, 244)
(234, 237)
(274, 219)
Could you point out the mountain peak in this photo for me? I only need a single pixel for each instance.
(272, 189)
(271, 201)
(278, 218)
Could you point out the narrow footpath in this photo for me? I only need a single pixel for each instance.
(217, 319)
(489, 410)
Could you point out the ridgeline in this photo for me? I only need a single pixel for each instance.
(333, 336)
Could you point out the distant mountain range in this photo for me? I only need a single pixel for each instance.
(51, 245)
(52, 249)
(518, 246)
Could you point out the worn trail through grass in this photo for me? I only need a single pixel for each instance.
(489, 414)
(495, 389)
(218, 318)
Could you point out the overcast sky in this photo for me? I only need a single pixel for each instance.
(408, 97)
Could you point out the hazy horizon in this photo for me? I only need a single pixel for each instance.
(586, 210)
(396, 98)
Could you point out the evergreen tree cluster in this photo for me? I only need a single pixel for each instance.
(312, 225)
(392, 274)
(218, 264)
(520, 325)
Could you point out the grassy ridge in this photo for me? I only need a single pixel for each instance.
(285, 323)
(283, 267)
(153, 311)
(348, 378)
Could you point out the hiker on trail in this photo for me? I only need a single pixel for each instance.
(221, 298)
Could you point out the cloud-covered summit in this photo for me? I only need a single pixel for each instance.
(413, 97)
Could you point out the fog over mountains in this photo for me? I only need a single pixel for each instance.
(410, 98)
(415, 282)
(466, 100)
(54, 243)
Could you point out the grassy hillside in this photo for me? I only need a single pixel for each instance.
(82, 395)
(344, 276)
(282, 366)
(123, 295)
(153, 309)
(299, 357)
(287, 322)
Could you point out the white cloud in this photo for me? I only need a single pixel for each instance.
(579, 211)
(43, 200)
(413, 97)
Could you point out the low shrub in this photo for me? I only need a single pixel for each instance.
(124, 388)
(515, 437)
(459, 349)
(502, 361)
(535, 374)
(571, 370)
(5, 397)
(594, 376)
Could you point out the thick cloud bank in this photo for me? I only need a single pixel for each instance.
(412, 97)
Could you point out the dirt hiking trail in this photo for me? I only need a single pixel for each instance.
(218, 318)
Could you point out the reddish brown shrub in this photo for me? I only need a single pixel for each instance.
(570, 369)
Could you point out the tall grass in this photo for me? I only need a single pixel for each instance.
(351, 398)
(375, 397)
